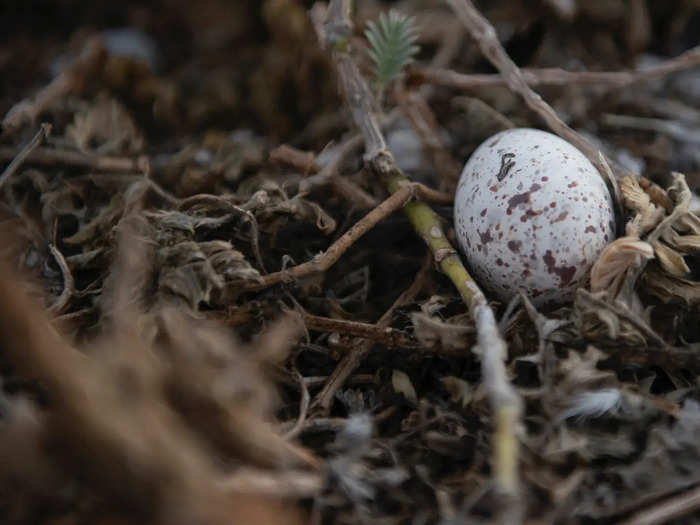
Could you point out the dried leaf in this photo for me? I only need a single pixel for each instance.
(579, 371)
(229, 263)
(402, 384)
(670, 289)
(616, 259)
(460, 391)
(101, 225)
(670, 461)
(106, 127)
(689, 223)
(274, 209)
(637, 200)
(186, 273)
(431, 331)
(597, 321)
(658, 195)
(687, 243)
(671, 260)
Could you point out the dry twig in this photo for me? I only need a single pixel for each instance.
(63, 301)
(50, 157)
(387, 336)
(555, 76)
(321, 263)
(328, 174)
(304, 161)
(426, 126)
(667, 510)
(26, 151)
(289, 485)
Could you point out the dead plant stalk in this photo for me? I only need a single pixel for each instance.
(389, 337)
(556, 76)
(505, 402)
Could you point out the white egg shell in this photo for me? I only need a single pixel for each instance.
(532, 214)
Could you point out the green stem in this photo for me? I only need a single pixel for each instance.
(428, 225)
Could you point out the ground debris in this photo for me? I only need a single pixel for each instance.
(213, 311)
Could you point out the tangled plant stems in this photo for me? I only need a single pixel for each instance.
(334, 30)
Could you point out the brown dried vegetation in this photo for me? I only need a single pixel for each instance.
(212, 311)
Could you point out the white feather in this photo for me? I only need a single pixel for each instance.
(587, 405)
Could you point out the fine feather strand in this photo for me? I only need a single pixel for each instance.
(591, 405)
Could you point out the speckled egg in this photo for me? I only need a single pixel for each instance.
(533, 214)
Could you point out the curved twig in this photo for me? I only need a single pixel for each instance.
(62, 303)
(303, 408)
(17, 161)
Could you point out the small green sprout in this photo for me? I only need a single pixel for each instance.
(392, 45)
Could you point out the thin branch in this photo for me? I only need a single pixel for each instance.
(325, 174)
(208, 199)
(676, 130)
(429, 194)
(338, 22)
(387, 336)
(286, 484)
(330, 171)
(357, 379)
(667, 510)
(352, 192)
(17, 161)
(672, 358)
(303, 161)
(330, 174)
(555, 76)
(322, 262)
(428, 129)
(362, 105)
(50, 157)
(63, 301)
